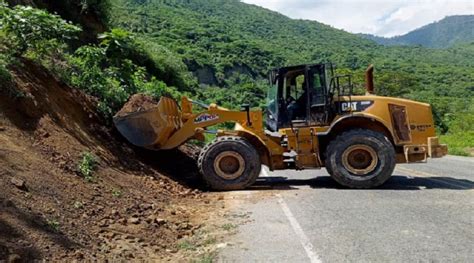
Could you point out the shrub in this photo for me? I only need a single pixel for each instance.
(108, 72)
(87, 165)
(5, 76)
(35, 30)
(116, 192)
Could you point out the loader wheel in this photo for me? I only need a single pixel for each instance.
(360, 159)
(229, 163)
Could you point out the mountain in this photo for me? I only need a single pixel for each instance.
(445, 33)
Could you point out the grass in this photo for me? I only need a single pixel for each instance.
(187, 245)
(116, 192)
(209, 241)
(53, 224)
(229, 226)
(78, 205)
(206, 258)
(460, 143)
(87, 166)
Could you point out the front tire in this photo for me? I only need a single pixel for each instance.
(229, 163)
(360, 159)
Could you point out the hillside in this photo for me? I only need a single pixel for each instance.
(445, 33)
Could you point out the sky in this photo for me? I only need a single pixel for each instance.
(378, 17)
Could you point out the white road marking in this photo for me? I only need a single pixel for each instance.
(304, 240)
(431, 177)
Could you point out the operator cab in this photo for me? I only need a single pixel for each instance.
(299, 96)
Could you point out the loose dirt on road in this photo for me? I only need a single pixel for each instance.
(136, 204)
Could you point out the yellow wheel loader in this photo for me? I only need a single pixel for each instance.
(312, 121)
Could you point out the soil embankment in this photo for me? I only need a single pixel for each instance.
(130, 208)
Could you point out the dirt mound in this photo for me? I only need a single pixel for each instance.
(129, 208)
(137, 103)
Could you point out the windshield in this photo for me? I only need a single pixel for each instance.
(272, 107)
(271, 98)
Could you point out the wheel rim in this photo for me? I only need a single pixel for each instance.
(359, 159)
(229, 165)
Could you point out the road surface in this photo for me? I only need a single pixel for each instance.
(424, 213)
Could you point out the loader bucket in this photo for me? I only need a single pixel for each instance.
(151, 128)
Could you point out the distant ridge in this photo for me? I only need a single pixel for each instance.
(445, 33)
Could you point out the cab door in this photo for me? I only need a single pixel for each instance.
(273, 103)
(318, 101)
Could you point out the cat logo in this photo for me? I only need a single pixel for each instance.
(349, 106)
(356, 105)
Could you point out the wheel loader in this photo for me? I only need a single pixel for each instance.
(312, 120)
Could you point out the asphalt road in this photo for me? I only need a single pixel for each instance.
(424, 213)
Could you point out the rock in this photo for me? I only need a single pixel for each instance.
(114, 212)
(2, 128)
(221, 245)
(104, 223)
(160, 221)
(185, 226)
(110, 235)
(13, 258)
(8, 203)
(150, 219)
(20, 184)
(134, 220)
(146, 206)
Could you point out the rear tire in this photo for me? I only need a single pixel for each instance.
(229, 163)
(360, 159)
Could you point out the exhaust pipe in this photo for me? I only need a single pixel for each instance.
(369, 80)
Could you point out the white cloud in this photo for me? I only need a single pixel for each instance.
(384, 18)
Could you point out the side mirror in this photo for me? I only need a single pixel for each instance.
(246, 108)
(369, 79)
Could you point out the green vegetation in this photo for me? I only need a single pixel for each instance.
(87, 166)
(117, 192)
(108, 71)
(78, 205)
(228, 226)
(206, 258)
(33, 30)
(187, 245)
(445, 33)
(53, 224)
(112, 70)
(5, 76)
(460, 143)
